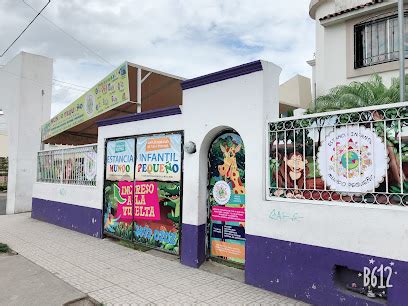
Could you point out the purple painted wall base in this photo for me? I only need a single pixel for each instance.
(78, 218)
(305, 272)
(192, 245)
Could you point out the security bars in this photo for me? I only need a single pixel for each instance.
(74, 165)
(353, 156)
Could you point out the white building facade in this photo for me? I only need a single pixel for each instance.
(354, 40)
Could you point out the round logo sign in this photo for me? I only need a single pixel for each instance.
(221, 192)
(352, 159)
(90, 166)
(90, 104)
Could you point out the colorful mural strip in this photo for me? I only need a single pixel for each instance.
(159, 158)
(120, 160)
(227, 198)
(109, 93)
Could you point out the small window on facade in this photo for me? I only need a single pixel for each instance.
(376, 42)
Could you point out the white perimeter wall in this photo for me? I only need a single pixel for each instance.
(243, 103)
(92, 196)
(86, 196)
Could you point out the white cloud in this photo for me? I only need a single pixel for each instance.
(186, 38)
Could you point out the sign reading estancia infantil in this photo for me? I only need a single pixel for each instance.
(352, 159)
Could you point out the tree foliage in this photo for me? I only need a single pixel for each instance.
(359, 94)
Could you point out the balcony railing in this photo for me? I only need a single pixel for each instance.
(75, 165)
(353, 156)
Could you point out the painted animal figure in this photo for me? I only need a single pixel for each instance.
(229, 169)
(295, 172)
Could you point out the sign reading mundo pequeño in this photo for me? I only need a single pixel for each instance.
(120, 160)
(109, 93)
(158, 158)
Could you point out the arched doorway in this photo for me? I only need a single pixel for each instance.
(226, 198)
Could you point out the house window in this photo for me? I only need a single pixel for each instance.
(377, 42)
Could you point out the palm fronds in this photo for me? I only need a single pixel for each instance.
(358, 94)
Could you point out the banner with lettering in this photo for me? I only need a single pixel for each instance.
(158, 158)
(120, 160)
(146, 205)
(109, 93)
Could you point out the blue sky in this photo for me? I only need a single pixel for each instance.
(185, 38)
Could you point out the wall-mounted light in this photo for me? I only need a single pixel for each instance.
(190, 147)
(1, 112)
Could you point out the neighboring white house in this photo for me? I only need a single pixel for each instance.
(354, 40)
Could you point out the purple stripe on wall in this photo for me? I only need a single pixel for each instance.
(305, 272)
(163, 112)
(223, 75)
(192, 245)
(78, 218)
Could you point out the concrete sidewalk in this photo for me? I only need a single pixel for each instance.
(24, 283)
(113, 274)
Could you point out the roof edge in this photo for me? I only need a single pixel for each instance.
(314, 4)
(222, 75)
(163, 112)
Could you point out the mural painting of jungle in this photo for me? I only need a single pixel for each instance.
(144, 210)
(116, 205)
(163, 232)
(226, 191)
(358, 157)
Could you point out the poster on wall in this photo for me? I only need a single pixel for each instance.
(118, 209)
(227, 198)
(158, 158)
(120, 160)
(109, 93)
(157, 215)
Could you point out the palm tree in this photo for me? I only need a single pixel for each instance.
(358, 94)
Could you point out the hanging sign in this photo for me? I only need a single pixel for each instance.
(347, 157)
(159, 158)
(120, 160)
(109, 93)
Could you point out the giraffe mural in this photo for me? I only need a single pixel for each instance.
(226, 188)
(229, 170)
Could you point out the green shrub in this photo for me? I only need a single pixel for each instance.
(4, 248)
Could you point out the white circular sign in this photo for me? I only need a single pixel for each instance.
(90, 104)
(90, 166)
(352, 159)
(221, 192)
